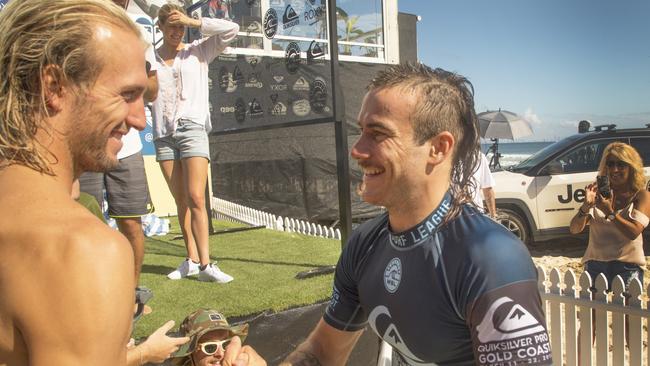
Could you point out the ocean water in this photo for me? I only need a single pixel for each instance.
(514, 152)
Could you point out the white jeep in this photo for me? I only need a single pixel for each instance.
(537, 198)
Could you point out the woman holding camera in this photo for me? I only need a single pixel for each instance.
(617, 210)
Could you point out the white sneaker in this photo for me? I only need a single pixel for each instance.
(212, 273)
(186, 268)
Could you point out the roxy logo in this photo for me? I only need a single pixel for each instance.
(279, 84)
(393, 275)
(314, 15)
(290, 17)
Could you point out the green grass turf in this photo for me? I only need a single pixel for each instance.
(263, 262)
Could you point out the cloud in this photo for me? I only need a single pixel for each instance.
(532, 117)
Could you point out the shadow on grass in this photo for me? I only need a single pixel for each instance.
(248, 260)
(168, 248)
(155, 269)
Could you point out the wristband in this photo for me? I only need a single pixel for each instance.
(582, 213)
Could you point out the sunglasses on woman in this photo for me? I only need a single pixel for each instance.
(210, 348)
(618, 163)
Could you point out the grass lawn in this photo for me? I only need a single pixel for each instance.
(263, 262)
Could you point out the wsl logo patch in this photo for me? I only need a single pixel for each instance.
(290, 17)
(270, 23)
(292, 57)
(318, 96)
(393, 275)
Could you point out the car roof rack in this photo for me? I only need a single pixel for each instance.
(608, 127)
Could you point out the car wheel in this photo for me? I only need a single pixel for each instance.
(514, 223)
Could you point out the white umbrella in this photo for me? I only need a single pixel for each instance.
(503, 125)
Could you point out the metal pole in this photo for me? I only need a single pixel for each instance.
(341, 134)
(208, 206)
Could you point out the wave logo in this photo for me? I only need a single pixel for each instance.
(290, 17)
(517, 322)
(382, 323)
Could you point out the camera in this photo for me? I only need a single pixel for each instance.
(603, 186)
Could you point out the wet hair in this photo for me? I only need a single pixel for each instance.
(628, 155)
(40, 35)
(165, 11)
(445, 102)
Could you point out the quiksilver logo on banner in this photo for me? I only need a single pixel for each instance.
(301, 84)
(314, 51)
(240, 110)
(290, 17)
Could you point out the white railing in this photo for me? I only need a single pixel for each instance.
(229, 211)
(574, 315)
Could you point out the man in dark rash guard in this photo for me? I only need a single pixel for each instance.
(433, 277)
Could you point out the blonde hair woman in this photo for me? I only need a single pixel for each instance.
(616, 222)
(181, 125)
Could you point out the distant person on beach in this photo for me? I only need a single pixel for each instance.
(483, 190)
(181, 122)
(439, 282)
(616, 217)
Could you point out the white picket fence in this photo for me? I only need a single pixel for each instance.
(574, 314)
(229, 211)
(569, 308)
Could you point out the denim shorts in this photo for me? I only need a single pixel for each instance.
(189, 140)
(611, 269)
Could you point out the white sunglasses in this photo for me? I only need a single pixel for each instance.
(210, 348)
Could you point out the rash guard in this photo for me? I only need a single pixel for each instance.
(459, 293)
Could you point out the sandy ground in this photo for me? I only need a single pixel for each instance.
(566, 253)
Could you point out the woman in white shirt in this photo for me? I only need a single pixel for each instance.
(181, 125)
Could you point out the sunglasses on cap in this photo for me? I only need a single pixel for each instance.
(618, 163)
(210, 348)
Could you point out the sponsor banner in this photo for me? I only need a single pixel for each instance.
(260, 91)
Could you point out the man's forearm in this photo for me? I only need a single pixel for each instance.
(488, 194)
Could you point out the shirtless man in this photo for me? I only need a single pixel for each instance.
(66, 99)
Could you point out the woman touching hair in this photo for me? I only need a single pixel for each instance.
(181, 125)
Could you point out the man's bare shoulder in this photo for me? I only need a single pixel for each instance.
(68, 263)
(52, 249)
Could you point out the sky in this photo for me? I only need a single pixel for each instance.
(555, 62)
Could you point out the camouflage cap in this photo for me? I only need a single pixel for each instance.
(199, 323)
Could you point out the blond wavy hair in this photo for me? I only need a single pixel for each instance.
(34, 36)
(628, 155)
(165, 11)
